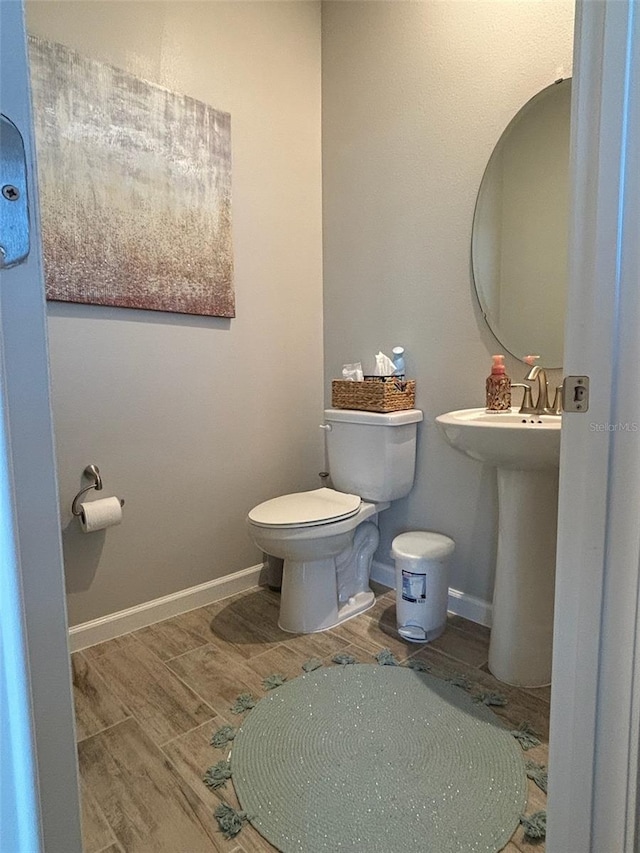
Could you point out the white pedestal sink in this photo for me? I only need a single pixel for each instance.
(526, 450)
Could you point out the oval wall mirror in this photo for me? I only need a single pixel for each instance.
(520, 229)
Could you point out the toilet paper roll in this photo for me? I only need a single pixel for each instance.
(96, 515)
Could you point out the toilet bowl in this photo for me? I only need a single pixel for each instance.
(327, 537)
(327, 544)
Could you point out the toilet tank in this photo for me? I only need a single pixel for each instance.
(372, 455)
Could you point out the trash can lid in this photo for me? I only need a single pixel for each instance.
(422, 544)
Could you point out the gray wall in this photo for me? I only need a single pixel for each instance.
(415, 96)
(194, 420)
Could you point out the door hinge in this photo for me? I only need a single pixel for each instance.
(14, 209)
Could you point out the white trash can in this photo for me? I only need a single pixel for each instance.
(422, 584)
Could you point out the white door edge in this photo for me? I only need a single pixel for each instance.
(594, 708)
(32, 568)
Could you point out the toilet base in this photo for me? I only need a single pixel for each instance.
(357, 604)
(319, 594)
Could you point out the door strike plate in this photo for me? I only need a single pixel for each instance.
(575, 394)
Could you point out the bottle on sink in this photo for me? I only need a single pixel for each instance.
(498, 387)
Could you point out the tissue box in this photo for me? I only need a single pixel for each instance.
(375, 394)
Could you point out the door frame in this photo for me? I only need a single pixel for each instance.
(39, 793)
(595, 701)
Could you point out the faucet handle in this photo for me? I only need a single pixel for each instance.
(527, 407)
(557, 406)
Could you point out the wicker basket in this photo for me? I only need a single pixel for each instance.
(375, 394)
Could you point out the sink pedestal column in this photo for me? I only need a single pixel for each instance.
(522, 630)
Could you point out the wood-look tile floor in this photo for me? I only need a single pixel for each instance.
(147, 703)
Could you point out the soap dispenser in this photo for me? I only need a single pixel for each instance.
(498, 387)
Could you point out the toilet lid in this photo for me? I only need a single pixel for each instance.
(305, 508)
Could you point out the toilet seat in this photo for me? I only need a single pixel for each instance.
(305, 509)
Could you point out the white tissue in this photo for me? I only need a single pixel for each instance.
(352, 372)
(384, 365)
(96, 515)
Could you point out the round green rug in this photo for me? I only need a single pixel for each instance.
(377, 759)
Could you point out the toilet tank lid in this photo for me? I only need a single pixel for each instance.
(353, 416)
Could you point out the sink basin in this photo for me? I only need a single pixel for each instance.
(525, 450)
(504, 439)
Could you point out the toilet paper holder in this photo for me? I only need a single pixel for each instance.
(93, 472)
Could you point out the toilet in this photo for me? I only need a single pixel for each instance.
(327, 537)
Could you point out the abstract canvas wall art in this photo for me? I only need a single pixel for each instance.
(135, 189)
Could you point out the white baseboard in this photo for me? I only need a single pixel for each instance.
(116, 624)
(471, 608)
(460, 603)
(383, 573)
